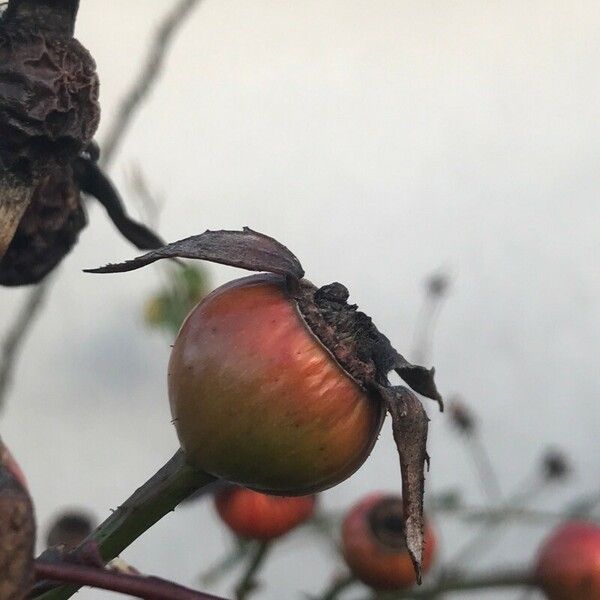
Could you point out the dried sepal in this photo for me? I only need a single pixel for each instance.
(47, 231)
(17, 534)
(93, 181)
(418, 378)
(15, 197)
(245, 249)
(410, 424)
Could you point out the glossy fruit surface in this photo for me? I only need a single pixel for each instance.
(373, 544)
(259, 516)
(258, 400)
(568, 563)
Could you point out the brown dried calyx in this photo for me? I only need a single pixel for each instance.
(48, 230)
(350, 336)
(386, 520)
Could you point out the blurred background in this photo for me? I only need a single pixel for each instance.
(382, 142)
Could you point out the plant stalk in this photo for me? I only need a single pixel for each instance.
(171, 484)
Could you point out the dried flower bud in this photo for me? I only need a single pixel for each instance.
(69, 529)
(461, 416)
(17, 534)
(555, 465)
(437, 285)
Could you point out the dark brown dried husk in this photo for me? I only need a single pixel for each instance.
(49, 107)
(47, 232)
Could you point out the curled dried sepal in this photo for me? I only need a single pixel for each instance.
(94, 182)
(17, 534)
(418, 378)
(410, 424)
(15, 197)
(246, 249)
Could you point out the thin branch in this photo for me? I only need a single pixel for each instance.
(495, 514)
(171, 484)
(248, 582)
(150, 588)
(488, 478)
(485, 538)
(129, 106)
(13, 340)
(146, 78)
(500, 579)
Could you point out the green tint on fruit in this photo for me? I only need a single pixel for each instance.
(258, 400)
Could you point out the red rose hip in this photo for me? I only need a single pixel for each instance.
(257, 399)
(259, 516)
(568, 563)
(374, 546)
(281, 386)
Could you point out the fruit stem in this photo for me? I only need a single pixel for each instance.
(170, 485)
(248, 584)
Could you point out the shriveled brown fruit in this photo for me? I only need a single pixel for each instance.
(49, 107)
(17, 532)
(49, 88)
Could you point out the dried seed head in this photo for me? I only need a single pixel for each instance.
(462, 417)
(69, 529)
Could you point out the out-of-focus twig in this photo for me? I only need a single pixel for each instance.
(150, 588)
(436, 288)
(15, 337)
(499, 579)
(129, 106)
(248, 582)
(465, 422)
(158, 496)
(146, 78)
(489, 533)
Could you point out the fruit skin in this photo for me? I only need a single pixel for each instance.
(257, 399)
(568, 563)
(258, 516)
(376, 564)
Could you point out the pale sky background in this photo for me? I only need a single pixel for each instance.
(380, 141)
